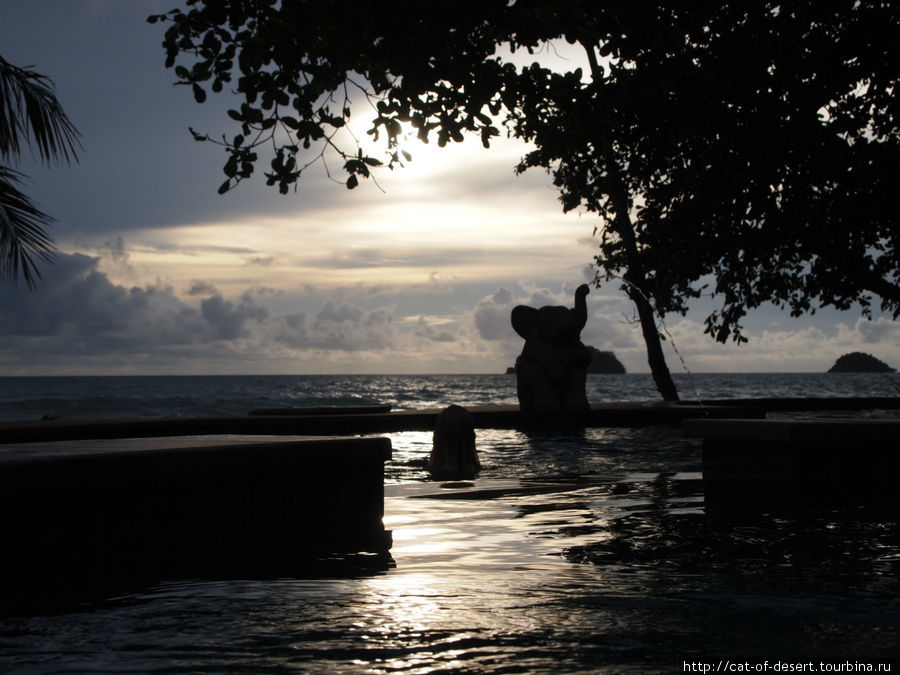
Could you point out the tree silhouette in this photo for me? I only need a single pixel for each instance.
(31, 116)
(748, 146)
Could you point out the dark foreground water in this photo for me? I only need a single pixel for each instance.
(594, 552)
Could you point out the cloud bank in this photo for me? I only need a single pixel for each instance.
(81, 321)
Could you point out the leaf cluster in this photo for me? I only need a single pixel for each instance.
(30, 116)
(297, 65)
(746, 151)
(776, 170)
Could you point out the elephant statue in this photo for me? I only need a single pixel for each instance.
(551, 371)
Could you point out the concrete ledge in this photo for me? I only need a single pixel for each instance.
(84, 517)
(756, 461)
(813, 403)
(337, 423)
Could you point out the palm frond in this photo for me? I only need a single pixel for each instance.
(29, 111)
(23, 238)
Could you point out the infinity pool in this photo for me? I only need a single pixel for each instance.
(574, 565)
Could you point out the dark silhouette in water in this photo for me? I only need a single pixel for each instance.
(453, 453)
(859, 362)
(552, 368)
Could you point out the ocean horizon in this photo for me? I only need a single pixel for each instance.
(35, 397)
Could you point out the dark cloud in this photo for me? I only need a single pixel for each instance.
(76, 307)
(73, 296)
(291, 331)
(343, 327)
(349, 328)
(229, 320)
(78, 319)
(78, 310)
(81, 320)
(114, 249)
(492, 316)
(878, 330)
(339, 313)
(503, 296)
(424, 330)
(199, 287)
(197, 249)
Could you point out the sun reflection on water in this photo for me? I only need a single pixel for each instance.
(584, 574)
(565, 554)
(469, 575)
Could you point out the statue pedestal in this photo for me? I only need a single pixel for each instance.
(540, 395)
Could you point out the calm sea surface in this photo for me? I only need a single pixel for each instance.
(31, 398)
(594, 552)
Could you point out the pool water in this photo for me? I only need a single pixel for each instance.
(567, 554)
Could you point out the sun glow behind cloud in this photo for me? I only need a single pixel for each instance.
(457, 211)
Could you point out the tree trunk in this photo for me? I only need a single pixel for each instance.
(655, 357)
(634, 277)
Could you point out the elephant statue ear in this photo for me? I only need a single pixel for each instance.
(523, 319)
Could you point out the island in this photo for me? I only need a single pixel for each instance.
(859, 362)
(604, 363)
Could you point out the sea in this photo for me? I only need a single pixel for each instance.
(619, 566)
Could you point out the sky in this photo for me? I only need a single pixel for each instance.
(158, 274)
